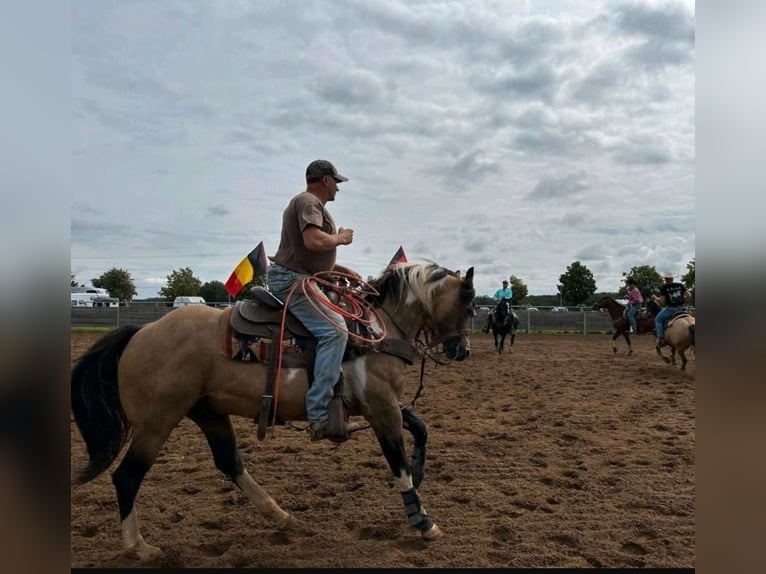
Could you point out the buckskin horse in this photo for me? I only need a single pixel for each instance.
(504, 322)
(644, 319)
(680, 334)
(136, 384)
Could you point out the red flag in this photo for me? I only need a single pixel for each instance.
(399, 257)
(252, 265)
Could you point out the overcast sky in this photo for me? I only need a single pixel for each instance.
(514, 137)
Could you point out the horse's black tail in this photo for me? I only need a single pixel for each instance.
(692, 331)
(96, 401)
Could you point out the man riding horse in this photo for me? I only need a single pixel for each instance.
(505, 292)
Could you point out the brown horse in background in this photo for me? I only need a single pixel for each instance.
(680, 334)
(617, 311)
(136, 384)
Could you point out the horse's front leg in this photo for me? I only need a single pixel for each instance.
(662, 355)
(388, 425)
(417, 429)
(627, 340)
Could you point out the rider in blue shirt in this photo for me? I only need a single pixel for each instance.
(505, 292)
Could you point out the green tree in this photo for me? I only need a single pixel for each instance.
(577, 285)
(73, 282)
(649, 280)
(519, 290)
(181, 282)
(213, 291)
(118, 282)
(484, 300)
(688, 278)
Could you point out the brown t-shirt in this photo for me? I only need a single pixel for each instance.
(303, 210)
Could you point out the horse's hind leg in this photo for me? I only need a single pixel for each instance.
(627, 340)
(220, 436)
(127, 479)
(682, 354)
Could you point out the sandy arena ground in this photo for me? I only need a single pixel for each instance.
(557, 454)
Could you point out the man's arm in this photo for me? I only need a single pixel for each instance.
(317, 240)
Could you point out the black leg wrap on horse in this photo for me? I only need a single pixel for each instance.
(416, 514)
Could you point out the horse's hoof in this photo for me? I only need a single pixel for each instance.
(144, 551)
(614, 350)
(432, 533)
(287, 522)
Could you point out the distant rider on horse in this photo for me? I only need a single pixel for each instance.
(505, 292)
(674, 295)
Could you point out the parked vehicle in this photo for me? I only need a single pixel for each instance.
(188, 300)
(85, 296)
(559, 309)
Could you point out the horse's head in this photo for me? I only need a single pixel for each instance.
(503, 311)
(452, 309)
(425, 295)
(601, 303)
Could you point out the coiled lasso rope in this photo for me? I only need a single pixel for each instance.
(324, 290)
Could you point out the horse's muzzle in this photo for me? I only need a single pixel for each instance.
(457, 349)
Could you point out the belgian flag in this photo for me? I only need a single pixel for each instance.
(251, 266)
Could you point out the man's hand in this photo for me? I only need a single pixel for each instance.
(345, 236)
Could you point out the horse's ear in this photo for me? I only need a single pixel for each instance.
(469, 274)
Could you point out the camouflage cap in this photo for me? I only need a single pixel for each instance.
(322, 167)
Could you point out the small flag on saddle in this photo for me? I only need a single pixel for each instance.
(252, 265)
(399, 257)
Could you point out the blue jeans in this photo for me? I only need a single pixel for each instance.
(330, 333)
(632, 312)
(662, 316)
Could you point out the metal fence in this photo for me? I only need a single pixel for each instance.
(542, 321)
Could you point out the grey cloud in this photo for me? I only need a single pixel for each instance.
(666, 21)
(574, 220)
(554, 187)
(539, 82)
(600, 81)
(647, 151)
(592, 252)
(650, 54)
(542, 141)
(218, 210)
(358, 87)
(473, 166)
(475, 245)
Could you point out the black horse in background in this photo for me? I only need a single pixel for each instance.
(504, 322)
